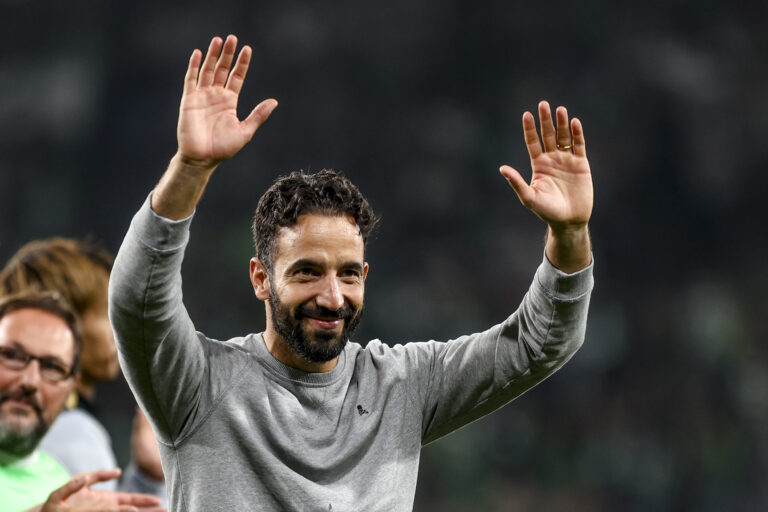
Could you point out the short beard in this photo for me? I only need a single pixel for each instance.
(322, 347)
(21, 442)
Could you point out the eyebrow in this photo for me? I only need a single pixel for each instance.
(306, 262)
(354, 265)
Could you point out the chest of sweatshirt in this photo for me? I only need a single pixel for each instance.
(257, 412)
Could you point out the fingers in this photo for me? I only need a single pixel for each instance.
(235, 82)
(531, 136)
(548, 136)
(565, 137)
(138, 500)
(260, 114)
(190, 79)
(209, 64)
(516, 181)
(67, 490)
(563, 132)
(101, 475)
(579, 144)
(215, 70)
(225, 61)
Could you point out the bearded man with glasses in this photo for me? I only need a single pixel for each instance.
(40, 345)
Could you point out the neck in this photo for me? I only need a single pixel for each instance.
(7, 459)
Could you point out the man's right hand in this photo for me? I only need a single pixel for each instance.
(209, 130)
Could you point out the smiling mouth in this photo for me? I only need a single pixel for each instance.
(19, 405)
(332, 323)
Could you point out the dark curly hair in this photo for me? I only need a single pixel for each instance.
(325, 192)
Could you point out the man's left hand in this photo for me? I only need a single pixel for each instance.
(560, 191)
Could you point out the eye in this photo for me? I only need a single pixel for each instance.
(13, 358)
(11, 354)
(350, 274)
(306, 272)
(53, 370)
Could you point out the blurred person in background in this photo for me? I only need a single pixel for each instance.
(40, 348)
(79, 272)
(299, 417)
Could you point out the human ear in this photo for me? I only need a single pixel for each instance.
(365, 271)
(259, 279)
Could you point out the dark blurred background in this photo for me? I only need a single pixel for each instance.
(666, 405)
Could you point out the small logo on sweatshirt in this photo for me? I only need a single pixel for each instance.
(361, 411)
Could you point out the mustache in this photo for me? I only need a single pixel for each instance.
(20, 395)
(344, 312)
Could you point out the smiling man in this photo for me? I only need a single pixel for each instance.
(30, 405)
(40, 346)
(39, 349)
(79, 272)
(300, 417)
(314, 289)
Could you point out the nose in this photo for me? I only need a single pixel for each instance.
(29, 377)
(330, 296)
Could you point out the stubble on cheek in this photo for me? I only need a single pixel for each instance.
(21, 428)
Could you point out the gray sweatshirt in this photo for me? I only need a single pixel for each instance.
(240, 431)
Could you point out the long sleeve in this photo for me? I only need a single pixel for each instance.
(160, 353)
(464, 379)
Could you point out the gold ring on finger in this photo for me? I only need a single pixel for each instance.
(566, 147)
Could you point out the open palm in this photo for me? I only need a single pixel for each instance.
(560, 191)
(209, 130)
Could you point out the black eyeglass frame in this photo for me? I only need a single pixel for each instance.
(46, 364)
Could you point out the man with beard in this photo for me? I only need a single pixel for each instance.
(39, 356)
(79, 272)
(299, 417)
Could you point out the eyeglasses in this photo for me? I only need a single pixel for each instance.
(50, 369)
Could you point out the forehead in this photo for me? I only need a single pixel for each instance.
(39, 332)
(321, 238)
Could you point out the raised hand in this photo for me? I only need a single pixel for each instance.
(560, 191)
(77, 496)
(209, 130)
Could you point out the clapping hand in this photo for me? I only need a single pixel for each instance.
(77, 496)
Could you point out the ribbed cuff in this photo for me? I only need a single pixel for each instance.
(159, 233)
(562, 286)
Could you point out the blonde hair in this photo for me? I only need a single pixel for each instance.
(78, 271)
